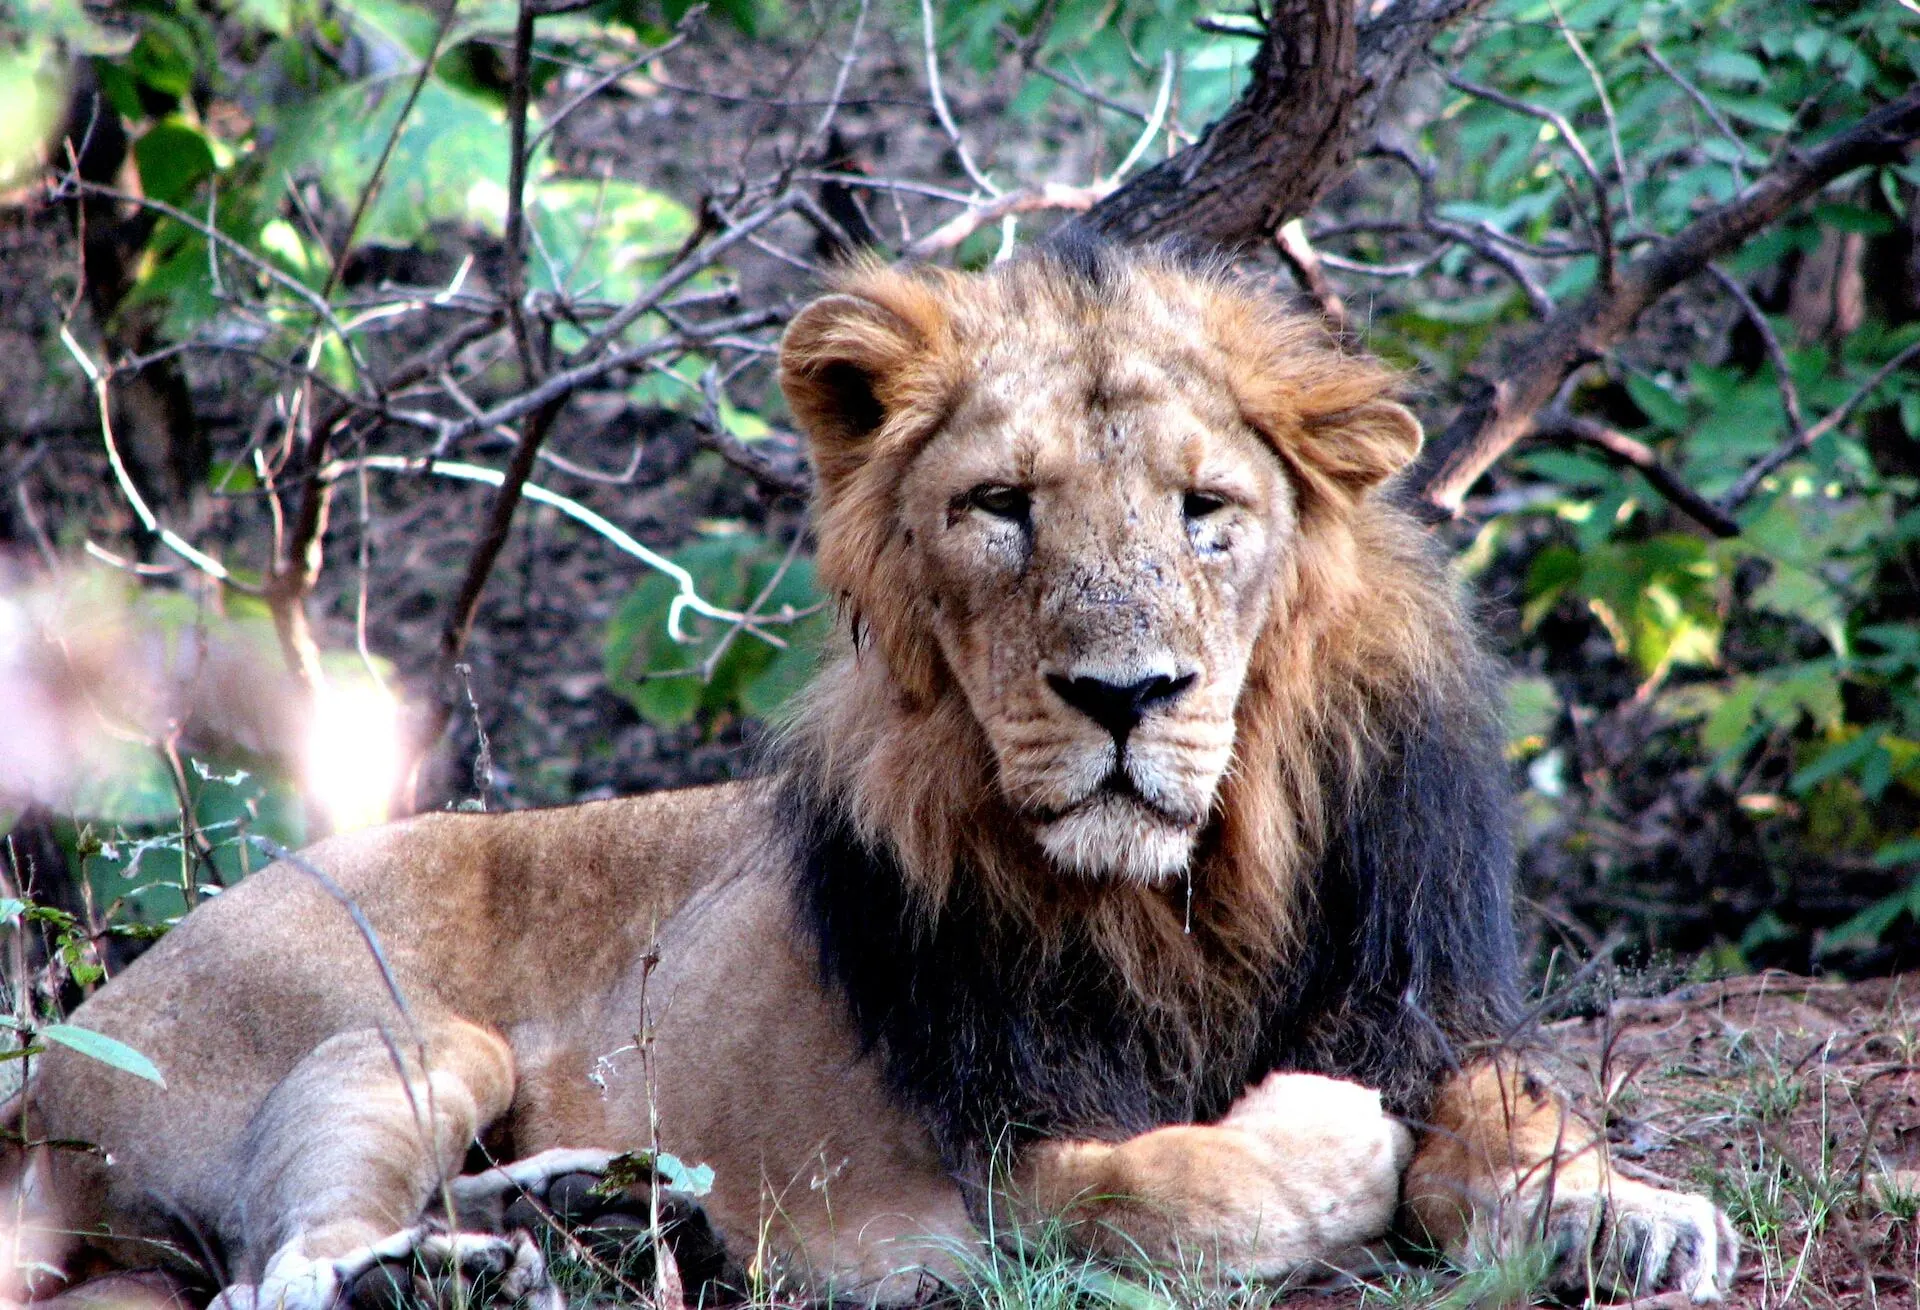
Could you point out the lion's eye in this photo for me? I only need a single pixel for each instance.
(1010, 503)
(1199, 505)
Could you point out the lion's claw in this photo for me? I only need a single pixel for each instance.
(396, 1271)
(1634, 1240)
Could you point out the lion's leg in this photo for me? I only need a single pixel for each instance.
(1506, 1164)
(340, 1162)
(1302, 1169)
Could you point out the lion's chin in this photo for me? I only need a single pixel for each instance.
(1111, 837)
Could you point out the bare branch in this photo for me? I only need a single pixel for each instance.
(100, 378)
(939, 99)
(519, 93)
(791, 480)
(1027, 200)
(681, 31)
(1706, 107)
(1606, 110)
(1776, 355)
(367, 192)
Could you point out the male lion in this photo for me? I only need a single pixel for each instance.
(1158, 757)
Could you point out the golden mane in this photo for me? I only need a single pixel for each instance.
(1363, 621)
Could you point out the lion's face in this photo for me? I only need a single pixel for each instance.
(1064, 497)
(1096, 537)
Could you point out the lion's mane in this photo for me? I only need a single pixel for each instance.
(1347, 910)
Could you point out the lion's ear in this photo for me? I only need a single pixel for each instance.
(1361, 447)
(847, 361)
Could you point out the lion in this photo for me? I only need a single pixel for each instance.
(1138, 862)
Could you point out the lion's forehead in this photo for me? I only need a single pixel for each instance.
(1092, 397)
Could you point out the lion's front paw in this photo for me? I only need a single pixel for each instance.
(1329, 1160)
(1625, 1238)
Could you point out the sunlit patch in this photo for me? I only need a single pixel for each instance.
(354, 754)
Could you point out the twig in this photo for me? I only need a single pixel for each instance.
(1304, 263)
(939, 99)
(1795, 444)
(1606, 110)
(1603, 211)
(1161, 100)
(265, 268)
(688, 598)
(1776, 354)
(818, 137)
(681, 31)
(753, 462)
(567, 381)
(1481, 237)
(1405, 268)
(487, 547)
(519, 92)
(1714, 116)
(1080, 88)
(99, 377)
(365, 200)
(1623, 449)
(684, 270)
(1027, 200)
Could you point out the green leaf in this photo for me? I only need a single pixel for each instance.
(1657, 403)
(103, 1048)
(1836, 760)
(173, 158)
(1869, 924)
(1729, 720)
(1852, 218)
(1763, 114)
(448, 164)
(1732, 66)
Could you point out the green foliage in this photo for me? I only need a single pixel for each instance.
(1775, 644)
(721, 666)
(326, 89)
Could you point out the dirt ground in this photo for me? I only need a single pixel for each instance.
(1795, 1102)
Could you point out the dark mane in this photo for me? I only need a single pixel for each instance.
(996, 1037)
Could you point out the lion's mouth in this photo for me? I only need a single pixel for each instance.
(1117, 787)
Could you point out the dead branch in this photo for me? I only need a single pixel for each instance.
(1584, 330)
(1027, 200)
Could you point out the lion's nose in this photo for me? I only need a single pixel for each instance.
(1119, 707)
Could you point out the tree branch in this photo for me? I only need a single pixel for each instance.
(1584, 330)
(1558, 425)
(1318, 84)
